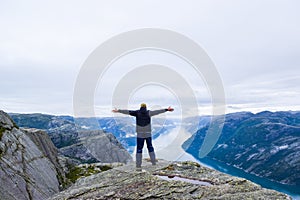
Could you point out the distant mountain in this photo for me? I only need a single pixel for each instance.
(40, 121)
(265, 144)
(30, 168)
(79, 139)
(193, 124)
(63, 130)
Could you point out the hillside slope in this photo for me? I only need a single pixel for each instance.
(265, 144)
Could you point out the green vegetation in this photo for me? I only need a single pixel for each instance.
(77, 172)
(66, 143)
(15, 125)
(105, 167)
(64, 182)
(191, 163)
(2, 130)
(74, 174)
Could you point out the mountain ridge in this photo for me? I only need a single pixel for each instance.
(129, 183)
(264, 120)
(265, 144)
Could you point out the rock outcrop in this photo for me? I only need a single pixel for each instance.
(97, 146)
(44, 143)
(166, 180)
(25, 169)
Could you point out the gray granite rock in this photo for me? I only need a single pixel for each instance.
(97, 146)
(44, 143)
(5, 121)
(126, 183)
(25, 171)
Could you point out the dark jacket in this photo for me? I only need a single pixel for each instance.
(143, 119)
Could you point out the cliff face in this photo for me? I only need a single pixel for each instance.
(25, 169)
(166, 180)
(45, 145)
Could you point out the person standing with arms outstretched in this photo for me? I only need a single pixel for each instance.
(143, 130)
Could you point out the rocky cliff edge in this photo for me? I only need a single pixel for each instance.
(25, 171)
(166, 180)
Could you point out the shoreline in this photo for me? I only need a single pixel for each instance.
(263, 182)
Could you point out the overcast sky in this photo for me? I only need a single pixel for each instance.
(255, 45)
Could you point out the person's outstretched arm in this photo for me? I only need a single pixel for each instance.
(126, 112)
(156, 112)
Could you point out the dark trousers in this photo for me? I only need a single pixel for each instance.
(140, 144)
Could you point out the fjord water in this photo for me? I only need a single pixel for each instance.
(292, 191)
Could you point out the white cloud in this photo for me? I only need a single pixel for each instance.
(254, 44)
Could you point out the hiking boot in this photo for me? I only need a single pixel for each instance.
(152, 157)
(139, 157)
(138, 169)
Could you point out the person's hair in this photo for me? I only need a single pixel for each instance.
(143, 105)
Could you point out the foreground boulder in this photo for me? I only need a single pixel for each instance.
(166, 180)
(25, 170)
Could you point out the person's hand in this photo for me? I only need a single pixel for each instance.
(115, 110)
(170, 109)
